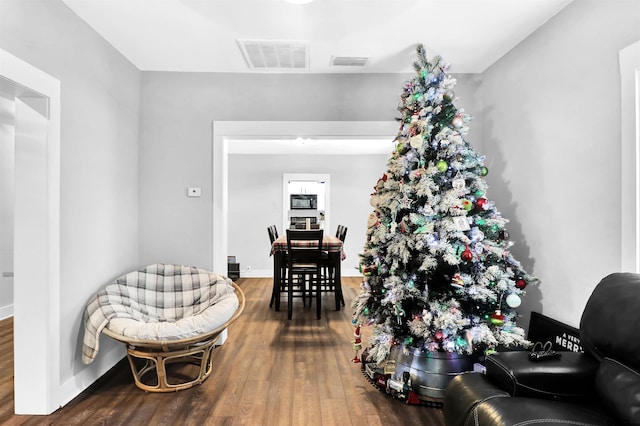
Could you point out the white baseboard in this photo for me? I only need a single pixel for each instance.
(6, 311)
(351, 273)
(107, 358)
(257, 273)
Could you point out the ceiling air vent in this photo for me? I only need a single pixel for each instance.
(275, 54)
(349, 61)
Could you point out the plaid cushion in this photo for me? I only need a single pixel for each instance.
(156, 294)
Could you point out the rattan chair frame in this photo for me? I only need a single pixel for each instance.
(157, 354)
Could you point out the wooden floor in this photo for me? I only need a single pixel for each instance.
(271, 371)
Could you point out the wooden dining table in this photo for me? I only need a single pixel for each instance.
(331, 244)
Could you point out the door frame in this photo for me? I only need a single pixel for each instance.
(224, 132)
(37, 253)
(629, 58)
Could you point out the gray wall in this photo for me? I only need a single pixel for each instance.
(177, 111)
(99, 162)
(552, 140)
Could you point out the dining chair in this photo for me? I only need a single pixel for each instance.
(341, 232)
(273, 235)
(342, 236)
(329, 271)
(305, 261)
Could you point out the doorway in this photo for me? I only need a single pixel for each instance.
(313, 184)
(225, 132)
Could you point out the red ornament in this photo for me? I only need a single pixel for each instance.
(481, 203)
(438, 335)
(521, 283)
(467, 255)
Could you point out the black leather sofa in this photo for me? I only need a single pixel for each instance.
(599, 387)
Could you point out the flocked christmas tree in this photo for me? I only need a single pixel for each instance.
(438, 274)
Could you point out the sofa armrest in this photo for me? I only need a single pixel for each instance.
(569, 378)
(464, 392)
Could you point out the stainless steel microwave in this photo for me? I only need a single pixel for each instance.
(304, 201)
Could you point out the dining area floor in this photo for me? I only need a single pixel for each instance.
(270, 371)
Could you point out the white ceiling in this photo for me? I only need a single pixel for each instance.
(201, 35)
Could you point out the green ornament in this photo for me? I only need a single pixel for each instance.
(481, 222)
(479, 193)
(442, 166)
(421, 230)
(448, 95)
(484, 171)
(366, 311)
(408, 341)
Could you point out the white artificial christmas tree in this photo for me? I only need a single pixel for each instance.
(438, 274)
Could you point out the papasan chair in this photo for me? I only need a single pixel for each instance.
(164, 314)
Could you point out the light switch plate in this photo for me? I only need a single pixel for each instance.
(194, 192)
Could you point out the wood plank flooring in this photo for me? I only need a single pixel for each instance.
(271, 371)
